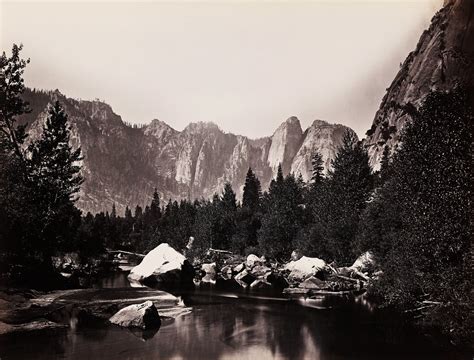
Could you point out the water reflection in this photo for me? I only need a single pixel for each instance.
(234, 326)
(235, 329)
(113, 280)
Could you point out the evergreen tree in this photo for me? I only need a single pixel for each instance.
(55, 170)
(12, 135)
(128, 213)
(113, 213)
(138, 212)
(248, 218)
(252, 191)
(424, 247)
(318, 168)
(229, 202)
(18, 213)
(155, 210)
(345, 196)
(283, 215)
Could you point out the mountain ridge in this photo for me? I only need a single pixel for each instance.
(123, 163)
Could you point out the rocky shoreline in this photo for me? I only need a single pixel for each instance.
(167, 268)
(310, 279)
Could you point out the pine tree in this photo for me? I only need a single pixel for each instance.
(248, 218)
(252, 191)
(12, 135)
(427, 238)
(138, 211)
(113, 213)
(17, 209)
(155, 210)
(128, 213)
(229, 201)
(345, 196)
(283, 215)
(55, 171)
(318, 168)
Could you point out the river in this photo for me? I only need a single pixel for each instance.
(238, 326)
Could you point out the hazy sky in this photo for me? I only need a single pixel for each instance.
(246, 66)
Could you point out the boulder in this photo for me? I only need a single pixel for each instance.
(254, 260)
(144, 316)
(304, 267)
(163, 265)
(260, 271)
(210, 273)
(313, 283)
(239, 268)
(244, 278)
(226, 272)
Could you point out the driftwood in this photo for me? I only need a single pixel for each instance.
(125, 252)
(219, 251)
(348, 278)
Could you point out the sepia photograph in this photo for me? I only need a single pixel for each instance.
(236, 179)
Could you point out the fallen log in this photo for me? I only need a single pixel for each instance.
(342, 277)
(220, 251)
(125, 252)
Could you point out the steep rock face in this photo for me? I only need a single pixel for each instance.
(443, 57)
(123, 163)
(286, 141)
(322, 137)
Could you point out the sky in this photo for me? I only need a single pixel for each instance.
(245, 65)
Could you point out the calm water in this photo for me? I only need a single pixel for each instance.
(229, 326)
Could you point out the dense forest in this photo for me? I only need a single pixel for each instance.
(413, 214)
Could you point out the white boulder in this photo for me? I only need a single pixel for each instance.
(253, 260)
(210, 273)
(304, 267)
(159, 262)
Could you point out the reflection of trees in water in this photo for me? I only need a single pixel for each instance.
(234, 330)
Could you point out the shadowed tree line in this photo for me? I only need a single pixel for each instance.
(413, 214)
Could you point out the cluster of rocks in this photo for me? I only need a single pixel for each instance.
(302, 275)
(252, 272)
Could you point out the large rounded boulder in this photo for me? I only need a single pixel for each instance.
(304, 268)
(163, 266)
(144, 316)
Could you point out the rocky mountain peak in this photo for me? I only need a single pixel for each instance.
(200, 126)
(318, 123)
(321, 137)
(285, 142)
(159, 129)
(122, 164)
